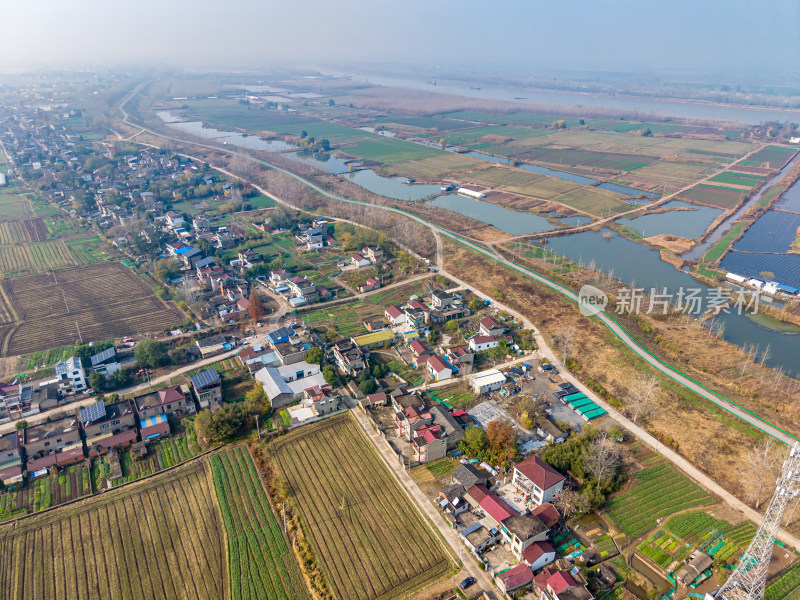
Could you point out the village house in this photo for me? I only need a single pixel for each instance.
(348, 357)
(105, 362)
(448, 313)
(411, 418)
(538, 555)
(490, 326)
(376, 399)
(441, 299)
(291, 351)
(487, 381)
(302, 290)
(461, 357)
(376, 325)
(278, 276)
(322, 400)
(451, 428)
(174, 219)
(313, 238)
(170, 402)
(286, 384)
(552, 584)
(514, 578)
(53, 443)
(536, 481)
(417, 314)
(372, 253)
(106, 427)
(223, 240)
(395, 315)
(428, 443)
(207, 387)
(437, 368)
(212, 345)
(70, 375)
(11, 399)
(468, 476)
(10, 458)
(359, 261)
(375, 339)
(370, 284)
(248, 257)
(479, 343)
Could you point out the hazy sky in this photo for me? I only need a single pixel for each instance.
(731, 36)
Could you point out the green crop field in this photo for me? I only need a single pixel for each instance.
(14, 206)
(655, 493)
(260, 564)
(367, 536)
(388, 151)
(717, 250)
(785, 587)
(718, 196)
(159, 539)
(737, 179)
(436, 167)
(774, 157)
(594, 200)
(88, 250)
(466, 137)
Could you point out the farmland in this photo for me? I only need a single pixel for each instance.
(738, 179)
(37, 256)
(347, 318)
(785, 587)
(15, 206)
(774, 157)
(368, 538)
(714, 195)
(143, 541)
(259, 560)
(654, 493)
(106, 300)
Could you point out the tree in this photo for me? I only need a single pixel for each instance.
(474, 442)
(565, 340)
(222, 425)
(451, 326)
(501, 439)
(166, 269)
(368, 387)
(329, 373)
(256, 395)
(97, 381)
(571, 502)
(432, 337)
(21, 425)
(255, 309)
(314, 356)
(121, 378)
(475, 304)
(642, 400)
(602, 459)
(151, 353)
(760, 465)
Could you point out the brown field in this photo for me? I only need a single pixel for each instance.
(106, 300)
(367, 536)
(159, 539)
(671, 175)
(36, 256)
(435, 167)
(23, 230)
(725, 198)
(594, 200)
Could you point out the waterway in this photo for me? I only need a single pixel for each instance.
(675, 108)
(510, 221)
(700, 249)
(684, 223)
(641, 267)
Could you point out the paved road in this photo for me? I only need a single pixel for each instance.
(424, 504)
(602, 316)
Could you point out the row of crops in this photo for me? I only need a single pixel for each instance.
(260, 565)
(785, 587)
(655, 493)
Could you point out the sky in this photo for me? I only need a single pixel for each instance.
(737, 38)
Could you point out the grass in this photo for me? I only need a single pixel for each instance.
(390, 151)
(736, 179)
(442, 468)
(654, 493)
(260, 563)
(595, 201)
(354, 513)
(717, 250)
(785, 587)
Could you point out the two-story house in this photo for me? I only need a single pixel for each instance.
(10, 458)
(441, 299)
(278, 276)
(53, 443)
(461, 357)
(536, 481)
(411, 418)
(395, 315)
(491, 326)
(428, 443)
(438, 369)
(322, 400)
(552, 584)
(303, 289)
(372, 253)
(349, 357)
(106, 362)
(207, 387)
(313, 238)
(106, 427)
(70, 375)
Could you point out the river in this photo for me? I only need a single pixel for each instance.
(750, 115)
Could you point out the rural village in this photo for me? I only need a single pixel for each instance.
(310, 400)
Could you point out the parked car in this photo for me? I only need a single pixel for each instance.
(467, 582)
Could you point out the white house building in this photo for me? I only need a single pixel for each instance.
(70, 375)
(487, 381)
(536, 481)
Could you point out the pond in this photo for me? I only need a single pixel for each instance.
(632, 262)
(197, 128)
(391, 187)
(685, 223)
(791, 199)
(510, 221)
(484, 156)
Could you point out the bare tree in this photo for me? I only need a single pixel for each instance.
(643, 398)
(565, 340)
(602, 458)
(570, 502)
(760, 467)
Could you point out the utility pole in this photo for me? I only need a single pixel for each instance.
(258, 430)
(283, 505)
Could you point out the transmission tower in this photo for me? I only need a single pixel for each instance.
(748, 580)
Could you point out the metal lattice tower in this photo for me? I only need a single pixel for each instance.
(748, 580)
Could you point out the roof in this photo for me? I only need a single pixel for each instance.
(170, 394)
(377, 398)
(516, 576)
(418, 347)
(536, 550)
(50, 428)
(488, 377)
(73, 363)
(154, 420)
(429, 433)
(496, 507)
(539, 472)
(103, 356)
(524, 526)
(547, 514)
(437, 364)
(560, 581)
(205, 378)
(451, 492)
(483, 339)
(468, 476)
(9, 441)
(478, 492)
(373, 338)
(490, 323)
(93, 412)
(273, 383)
(214, 340)
(443, 418)
(393, 311)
